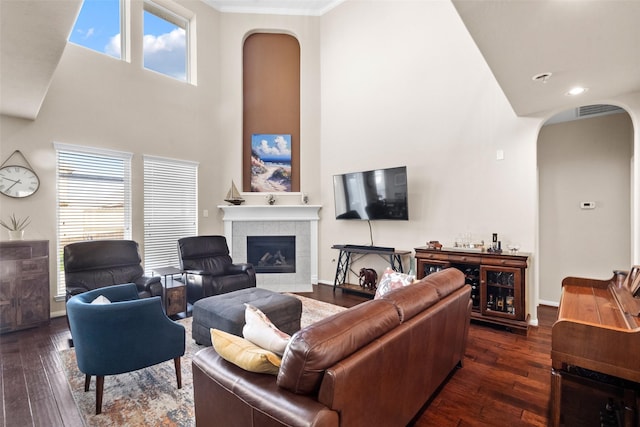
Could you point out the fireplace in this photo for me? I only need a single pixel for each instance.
(276, 220)
(272, 254)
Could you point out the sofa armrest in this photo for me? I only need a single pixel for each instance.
(74, 290)
(198, 272)
(227, 395)
(239, 268)
(150, 284)
(146, 281)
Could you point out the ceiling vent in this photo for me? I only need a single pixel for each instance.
(598, 110)
(584, 112)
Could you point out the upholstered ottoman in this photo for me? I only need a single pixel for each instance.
(226, 312)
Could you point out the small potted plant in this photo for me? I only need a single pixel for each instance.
(16, 226)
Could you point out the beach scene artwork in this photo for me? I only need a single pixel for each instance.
(270, 163)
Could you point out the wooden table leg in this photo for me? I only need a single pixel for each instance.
(556, 396)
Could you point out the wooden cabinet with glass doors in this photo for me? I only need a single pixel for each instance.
(497, 282)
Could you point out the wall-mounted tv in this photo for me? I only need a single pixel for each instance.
(372, 195)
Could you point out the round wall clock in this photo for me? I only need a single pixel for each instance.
(18, 181)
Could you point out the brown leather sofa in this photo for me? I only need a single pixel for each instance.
(376, 364)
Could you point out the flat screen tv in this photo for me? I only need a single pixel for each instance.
(372, 195)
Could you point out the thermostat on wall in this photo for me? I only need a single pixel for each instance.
(587, 205)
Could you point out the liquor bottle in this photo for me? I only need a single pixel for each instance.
(490, 303)
(510, 307)
(500, 303)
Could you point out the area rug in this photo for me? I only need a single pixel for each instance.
(150, 397)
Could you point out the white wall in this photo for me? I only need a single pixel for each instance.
(404, 84)
(584, 160)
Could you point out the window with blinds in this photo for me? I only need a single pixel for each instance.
(93, 197)
(170, 209)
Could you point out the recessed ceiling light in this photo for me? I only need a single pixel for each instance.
(577, 90)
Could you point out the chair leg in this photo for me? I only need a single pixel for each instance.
(176, 362)
(99, 388)
(87, 382)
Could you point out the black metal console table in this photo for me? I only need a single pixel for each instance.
(345, 259)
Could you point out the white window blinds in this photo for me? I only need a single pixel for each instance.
(170, 209)
(94, 197)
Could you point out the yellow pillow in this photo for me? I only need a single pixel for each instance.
(244, 354)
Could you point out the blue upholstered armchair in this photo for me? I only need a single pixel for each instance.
(122, 336)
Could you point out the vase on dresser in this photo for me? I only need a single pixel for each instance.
(16, 234)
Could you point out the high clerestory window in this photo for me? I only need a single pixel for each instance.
(165, 42)
(168, 44)
(98, 27)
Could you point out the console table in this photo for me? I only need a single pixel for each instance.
(346, 257)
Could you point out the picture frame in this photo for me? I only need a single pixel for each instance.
(271, 168)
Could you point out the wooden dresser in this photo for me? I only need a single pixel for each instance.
(24, 284)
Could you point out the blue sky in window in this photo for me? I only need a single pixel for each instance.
(164, 44)
(98, 26)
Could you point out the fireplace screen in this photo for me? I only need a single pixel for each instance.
(272, 254)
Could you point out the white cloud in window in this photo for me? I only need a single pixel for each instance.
(113, 47)
(85, 33)
(166, 53)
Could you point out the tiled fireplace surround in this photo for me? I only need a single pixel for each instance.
(300, 221)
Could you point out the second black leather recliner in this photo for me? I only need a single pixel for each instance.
(209, 269)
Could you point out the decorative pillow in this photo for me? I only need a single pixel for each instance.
(244, 354)
(101, 299)
(392, 280)
(262, 332)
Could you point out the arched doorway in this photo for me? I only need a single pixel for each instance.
(585, 201)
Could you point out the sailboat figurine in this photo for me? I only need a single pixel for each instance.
(233, 196)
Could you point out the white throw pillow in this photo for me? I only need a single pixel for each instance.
(262, 332)
(391, 280)
(101, 299)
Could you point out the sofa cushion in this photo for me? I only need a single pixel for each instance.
(413, 299)
(391, 280)
(244, 354)
(319, 346)
(101, 299)
(446, 281)
(262, 332)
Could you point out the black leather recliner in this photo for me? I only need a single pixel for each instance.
(209, 269)
(95, 264)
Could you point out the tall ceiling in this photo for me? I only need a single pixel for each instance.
(594, 43)
(589, 43)
(33, 35)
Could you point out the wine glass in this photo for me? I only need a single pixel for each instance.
(513, 247)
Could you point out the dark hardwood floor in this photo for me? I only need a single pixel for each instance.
(504, 382)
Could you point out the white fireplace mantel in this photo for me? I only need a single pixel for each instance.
(254, 215)
(270, 212)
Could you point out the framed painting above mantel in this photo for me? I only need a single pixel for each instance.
(270, 163)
